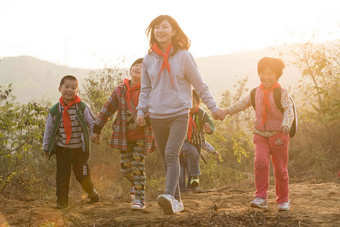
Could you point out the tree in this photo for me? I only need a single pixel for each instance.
(21, 129)
(319, 109)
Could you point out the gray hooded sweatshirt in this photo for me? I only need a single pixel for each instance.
(168, 95)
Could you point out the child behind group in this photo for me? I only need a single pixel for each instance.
(131, 140)
(199, 123)
(185, 178)
(271, 132)
(67, 135)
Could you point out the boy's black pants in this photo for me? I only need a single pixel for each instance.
(77, 159)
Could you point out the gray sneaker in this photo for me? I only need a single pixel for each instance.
(283, 206)
(259, 202)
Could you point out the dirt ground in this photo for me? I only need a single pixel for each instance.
(311, 205)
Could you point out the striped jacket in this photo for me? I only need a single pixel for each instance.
(116, 102)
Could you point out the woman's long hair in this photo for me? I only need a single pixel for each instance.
(179, 41)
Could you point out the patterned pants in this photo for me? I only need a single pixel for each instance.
(133, 167)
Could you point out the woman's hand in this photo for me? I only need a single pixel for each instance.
(95, 138)
(219, 114)
(140, 120)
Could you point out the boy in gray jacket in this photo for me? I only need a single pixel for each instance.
(67, 135)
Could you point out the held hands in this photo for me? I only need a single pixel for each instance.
(285, 130)
(219, 114)
(140, 120)
(95, 138)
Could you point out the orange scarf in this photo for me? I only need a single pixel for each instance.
(128, 91)
(66, 117)
(266, 105)
(165, 63)
(192, 124)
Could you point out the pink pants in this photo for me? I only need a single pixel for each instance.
(277, 146)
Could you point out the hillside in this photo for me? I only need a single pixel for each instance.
(34, 78)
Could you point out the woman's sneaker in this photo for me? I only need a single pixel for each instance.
(167, 203)
(283, 206)
(178, 206)
(259, 203)
(138, 205)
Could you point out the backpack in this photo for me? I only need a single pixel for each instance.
(277, 100)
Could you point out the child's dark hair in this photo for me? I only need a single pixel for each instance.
(195, 96)
(138, 61)
(68, 77)
(275, 64)
(180, 41)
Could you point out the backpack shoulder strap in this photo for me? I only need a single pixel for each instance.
(277, 98)
(54, 109)
(81, 106)
(252, 97)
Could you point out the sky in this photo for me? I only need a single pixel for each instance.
(92, 34)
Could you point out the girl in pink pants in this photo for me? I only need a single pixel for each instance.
(274, 118)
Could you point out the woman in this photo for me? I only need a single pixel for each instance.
(169, 72)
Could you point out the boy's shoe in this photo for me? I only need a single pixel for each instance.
(283, 206)
(167, 203)
(93, 198)
(61, 206)
(259, 203)
(138, 205)
(132, 193)
(178, 206)
(195, 182)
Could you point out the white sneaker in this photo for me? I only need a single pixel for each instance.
(167, 203)
(138, 205)
(178, 206)
(259, 203)
(283, 206)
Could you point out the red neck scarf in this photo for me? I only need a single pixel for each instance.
(192, 124)
(128, 91)
(66, 117)
(165, 63)
(266, 105)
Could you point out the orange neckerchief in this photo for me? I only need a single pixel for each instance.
(266, 105)
(192, 124)
(66, 117)
(165, 63)
(129, 89)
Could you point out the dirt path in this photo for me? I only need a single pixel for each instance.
(311, 205)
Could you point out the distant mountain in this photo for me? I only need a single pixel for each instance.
(35, 78)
